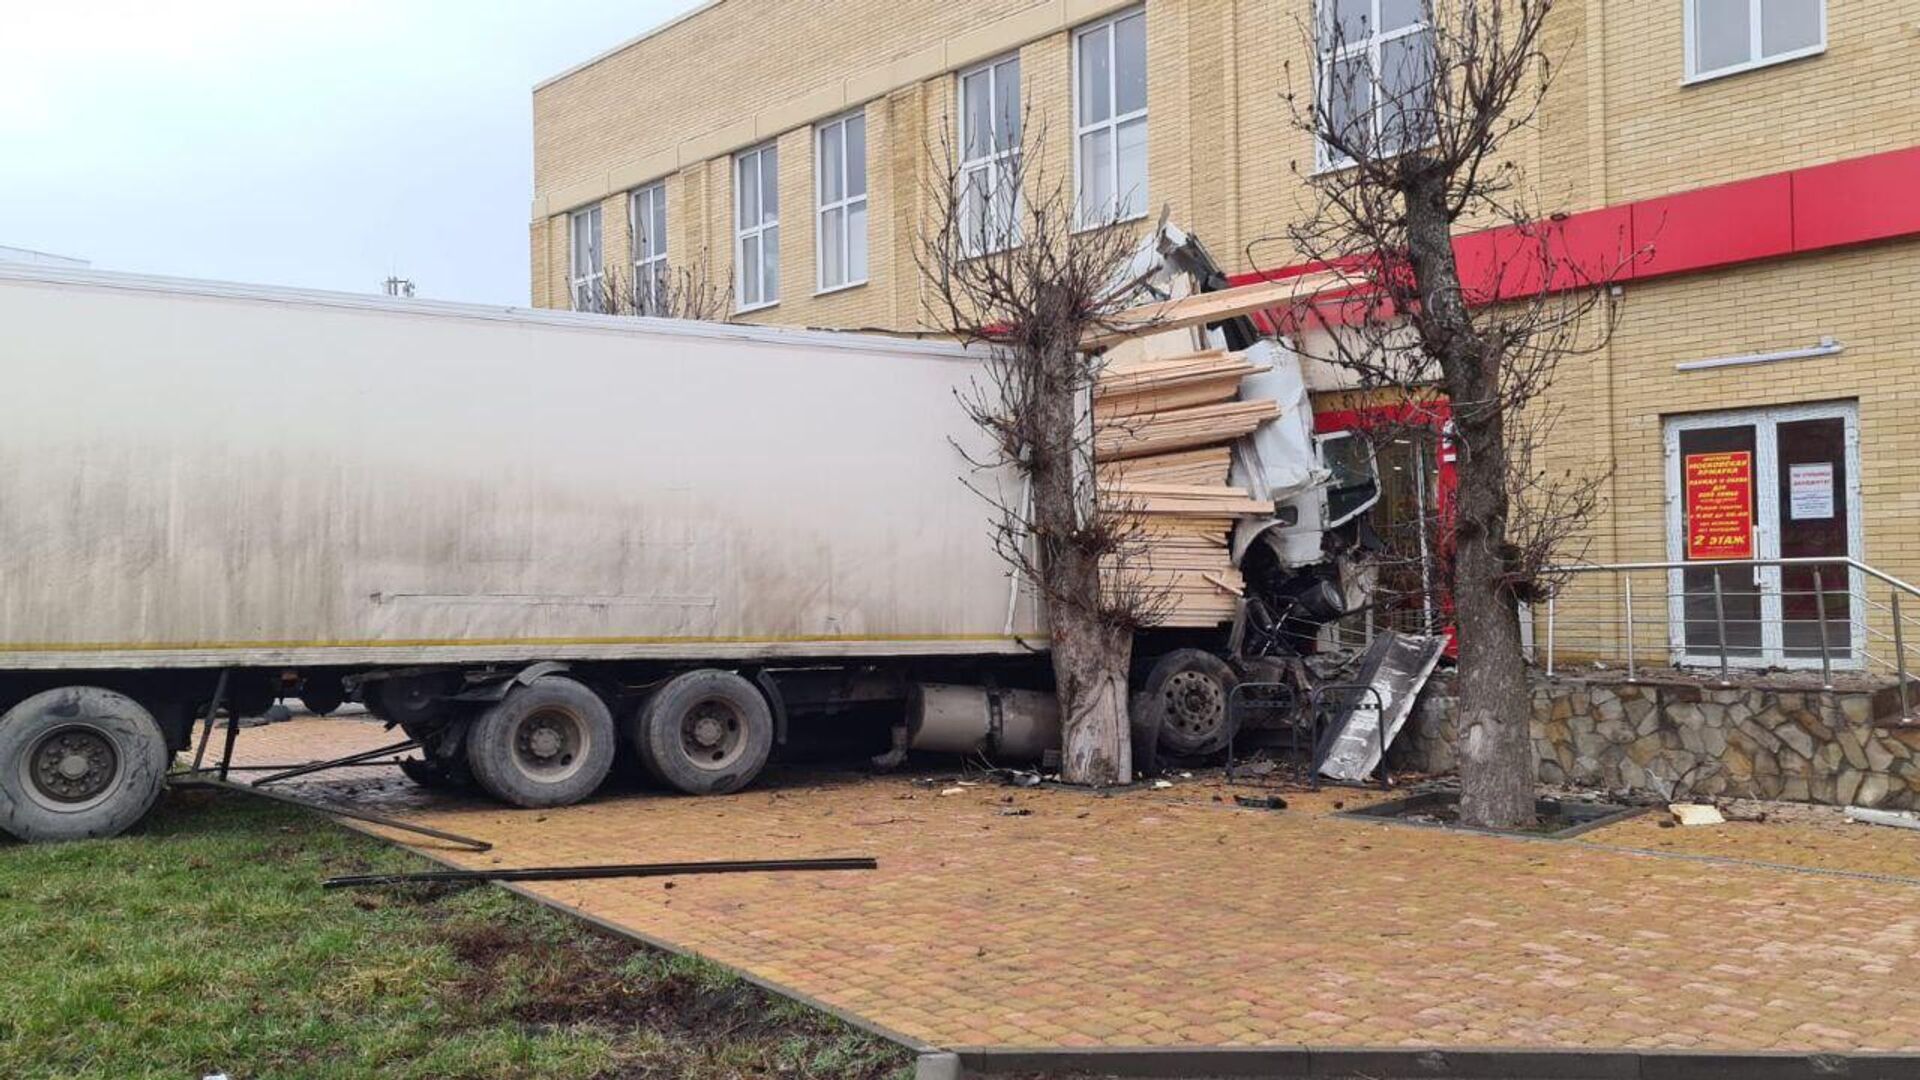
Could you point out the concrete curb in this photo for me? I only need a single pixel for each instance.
(1492, 1063)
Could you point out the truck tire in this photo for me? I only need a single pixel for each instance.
(1187, 692)
(78, 762)
(704, 733)
(547, 743)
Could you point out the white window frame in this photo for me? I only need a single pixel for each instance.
(649, 270)
(996, 166)
(1695, 75)
(756, 233)
(1328, 59)
(593, 275)
(845, 204)
(1092, 217)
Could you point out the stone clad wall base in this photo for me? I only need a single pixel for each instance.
(1681, 739)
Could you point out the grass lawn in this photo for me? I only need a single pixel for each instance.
(202, 943)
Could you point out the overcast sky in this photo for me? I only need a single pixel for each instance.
(314, 143)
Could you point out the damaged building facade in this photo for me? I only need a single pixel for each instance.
(1753, 165)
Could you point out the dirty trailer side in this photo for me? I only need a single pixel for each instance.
(529, 539)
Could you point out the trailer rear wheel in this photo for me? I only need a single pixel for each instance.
(78, 762)
(1187, 691)
(705, 732)
(547, 743)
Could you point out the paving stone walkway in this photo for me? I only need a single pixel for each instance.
(1053, 918)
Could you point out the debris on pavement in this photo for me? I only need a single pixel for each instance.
(1261, 802)
(1899, 819)
(1696, 814)
(953, 791)
(1162, 785)
(620, 870)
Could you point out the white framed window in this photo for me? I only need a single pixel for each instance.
(840, 238)
(1376, 76)
(990, 132)
(1110, 114)
(1725, 37)
(648, 220)
(756, 204)
(585, 269)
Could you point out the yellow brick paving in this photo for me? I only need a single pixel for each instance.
(1159, 918)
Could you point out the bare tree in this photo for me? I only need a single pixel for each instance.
(1017, 266)
(688, 291)
(1417, 127)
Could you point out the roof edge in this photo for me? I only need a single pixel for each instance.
(698, 9)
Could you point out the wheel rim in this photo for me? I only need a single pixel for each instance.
(551, 744)
(1196, 705)
(71, 768)
(712, 735)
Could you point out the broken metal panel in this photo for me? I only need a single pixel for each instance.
(1393, 670)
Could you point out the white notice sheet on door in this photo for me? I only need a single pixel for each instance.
(1810, 491)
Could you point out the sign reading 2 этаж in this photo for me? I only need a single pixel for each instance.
(1720, 505)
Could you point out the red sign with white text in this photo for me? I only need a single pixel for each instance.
(1719, 505)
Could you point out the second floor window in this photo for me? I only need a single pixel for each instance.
(841, 156)
(990, 122)
(649, 218)
(1110, 110)
(586, 267)
(756, 200)
(1725, 36)
(1376, 78)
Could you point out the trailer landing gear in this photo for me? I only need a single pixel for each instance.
(78, 762)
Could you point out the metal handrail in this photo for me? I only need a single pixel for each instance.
(1895, 588)
(1708, 564)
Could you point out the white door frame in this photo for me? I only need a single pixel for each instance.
(1766, 514)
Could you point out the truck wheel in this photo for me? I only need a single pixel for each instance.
(78, 762)
(547, 743)
(705, 733)
(1187, 691)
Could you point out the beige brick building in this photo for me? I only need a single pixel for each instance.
(1767, 154)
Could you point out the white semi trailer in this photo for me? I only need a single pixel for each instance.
(523, 536)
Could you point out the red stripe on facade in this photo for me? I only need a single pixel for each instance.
(1788, 213)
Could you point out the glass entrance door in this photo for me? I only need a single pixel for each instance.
(1764, 484)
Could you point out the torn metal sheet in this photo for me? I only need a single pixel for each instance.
(1392, 670)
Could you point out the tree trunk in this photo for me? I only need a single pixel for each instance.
(1494, 726)
(1090, 664)
(1090, 656)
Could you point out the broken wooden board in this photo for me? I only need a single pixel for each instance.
(1209, 465)
(1186, 500)
(1202, 309)
(1181, 429)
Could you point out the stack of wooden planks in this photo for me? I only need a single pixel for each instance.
(1163, 437)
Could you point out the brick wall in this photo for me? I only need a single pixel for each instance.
(1225, 157)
